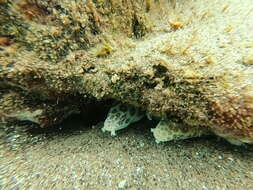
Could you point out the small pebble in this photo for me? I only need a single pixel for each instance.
(122, 184)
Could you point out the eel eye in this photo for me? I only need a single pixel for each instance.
(131, 111)
(123, 108)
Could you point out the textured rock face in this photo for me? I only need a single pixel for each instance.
(189, 61)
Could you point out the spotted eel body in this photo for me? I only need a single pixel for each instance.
(120, 117)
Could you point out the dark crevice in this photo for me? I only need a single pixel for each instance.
(160, 70)
(138, 28)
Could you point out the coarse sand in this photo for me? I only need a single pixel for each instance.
(78, 156)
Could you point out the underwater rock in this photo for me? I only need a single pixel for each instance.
(186, 60)
(17, 106)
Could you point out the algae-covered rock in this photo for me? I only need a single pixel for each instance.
(189, 61)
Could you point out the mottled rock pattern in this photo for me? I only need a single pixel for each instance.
(189, 61)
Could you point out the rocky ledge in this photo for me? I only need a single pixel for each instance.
(181, 62)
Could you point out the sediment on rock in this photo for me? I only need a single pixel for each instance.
(189, 61)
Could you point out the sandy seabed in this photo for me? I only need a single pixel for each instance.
(74, 156)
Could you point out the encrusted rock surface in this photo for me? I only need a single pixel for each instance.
(189, 61)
